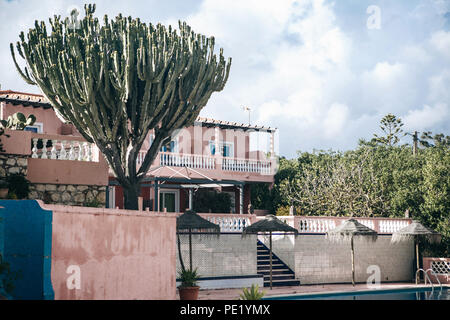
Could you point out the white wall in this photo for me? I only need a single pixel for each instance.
(226, 255)
(314, 259)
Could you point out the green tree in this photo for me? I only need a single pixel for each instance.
(392, 128)
(118, 80)
(427, 139)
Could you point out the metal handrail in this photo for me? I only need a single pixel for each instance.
(435, 275)
(425, 277)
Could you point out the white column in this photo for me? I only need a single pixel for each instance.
(241, 199)
(272, 144)
(218, 153)
(191, 202)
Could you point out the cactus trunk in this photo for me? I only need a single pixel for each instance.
(131, 196)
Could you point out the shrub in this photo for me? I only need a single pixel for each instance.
(252, 294)
(18, 186)
(188, 278)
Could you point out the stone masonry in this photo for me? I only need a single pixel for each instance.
(11, 164)
(72, 195)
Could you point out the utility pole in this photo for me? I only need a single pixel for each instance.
(415, 141)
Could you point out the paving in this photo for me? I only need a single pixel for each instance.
(233, 294)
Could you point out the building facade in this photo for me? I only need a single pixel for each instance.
(209, 159)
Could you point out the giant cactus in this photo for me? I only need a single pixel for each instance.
(117, 80)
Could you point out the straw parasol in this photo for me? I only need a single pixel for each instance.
(346, 232)
(419, 233)
(190, 222)
(269, 224)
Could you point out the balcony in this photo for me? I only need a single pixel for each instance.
(57, 159)
(205, 162)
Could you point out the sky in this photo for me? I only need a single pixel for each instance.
(323, 72)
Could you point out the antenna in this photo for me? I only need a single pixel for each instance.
(249, 111)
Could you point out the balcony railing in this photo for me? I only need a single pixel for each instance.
(324, 224)
(243, 165)
(186, 160)
(319, 224)
(194, 161)
(71, 148)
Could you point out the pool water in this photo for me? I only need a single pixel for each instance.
(393, 294)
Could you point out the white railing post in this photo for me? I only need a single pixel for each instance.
(44, 149)
(63, 153)
(53, 153)
(34, 149)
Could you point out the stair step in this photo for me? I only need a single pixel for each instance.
(265, 272)
(264, 267)
(290, 283)
(279, 277)
(261, 262)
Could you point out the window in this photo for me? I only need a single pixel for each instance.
(227, 148)
(172, 146)
(36, 128)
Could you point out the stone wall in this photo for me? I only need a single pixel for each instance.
(314, 259)
(12, 164)
(65, 194)
(72, 195)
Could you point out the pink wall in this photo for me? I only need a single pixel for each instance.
(121, 254)
(18, 142)
(51, 123)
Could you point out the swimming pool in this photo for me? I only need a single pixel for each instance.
(391, 294)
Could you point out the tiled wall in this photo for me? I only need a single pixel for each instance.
(224, 255)
(317, 260)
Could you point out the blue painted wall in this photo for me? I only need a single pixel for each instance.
(25, 243)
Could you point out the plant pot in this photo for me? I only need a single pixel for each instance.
(3, 193)
(188, 293)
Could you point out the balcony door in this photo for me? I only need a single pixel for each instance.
(169, 199)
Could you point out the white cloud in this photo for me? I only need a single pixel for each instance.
(427, 117)
(441, 42)
(335, 120)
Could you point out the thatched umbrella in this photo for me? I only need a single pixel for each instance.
(190, 222)
(269, 224)
(346, 232)
(419, 233)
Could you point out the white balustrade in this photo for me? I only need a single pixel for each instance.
(312, 225)
(391, 226)
(182, 160)
(316, 225)
(229, 224)
(62, 150)
(244, 165)
(195, 161)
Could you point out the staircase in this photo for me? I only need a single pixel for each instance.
(282, 275)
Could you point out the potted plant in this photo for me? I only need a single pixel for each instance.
(3, 189)
(188, 289)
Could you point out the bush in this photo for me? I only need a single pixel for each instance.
(18, 185)
(252, 294)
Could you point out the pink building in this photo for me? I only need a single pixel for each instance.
(212, 155)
